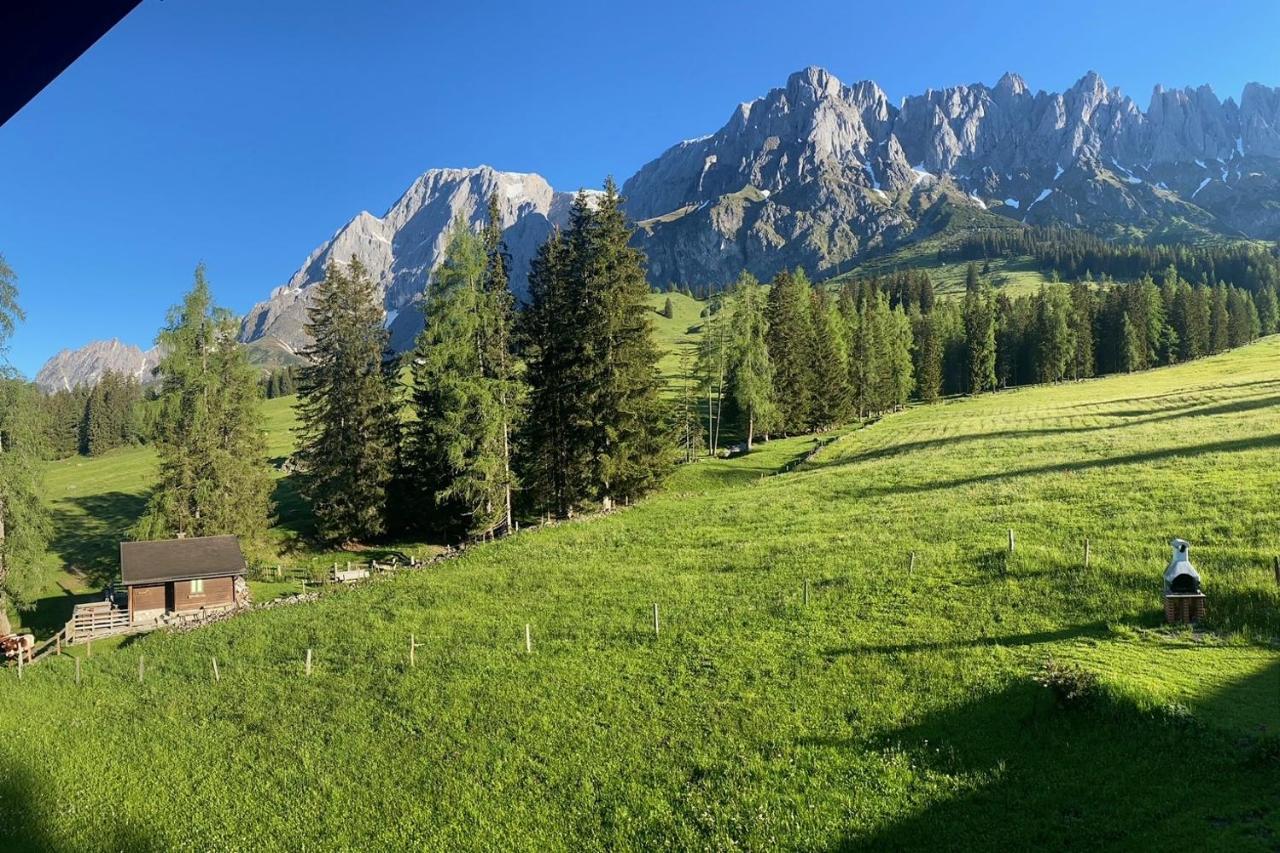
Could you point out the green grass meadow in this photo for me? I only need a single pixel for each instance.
(895, 709)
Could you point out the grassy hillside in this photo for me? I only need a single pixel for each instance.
(94, 501)
(894, 711)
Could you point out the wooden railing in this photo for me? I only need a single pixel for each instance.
(100, 619)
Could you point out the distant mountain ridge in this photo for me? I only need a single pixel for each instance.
(84, 367)
(819, 174)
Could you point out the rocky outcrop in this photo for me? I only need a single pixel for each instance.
(83, 367)
(402, 247)
(819, 173)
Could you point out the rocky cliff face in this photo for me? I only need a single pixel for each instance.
(83, 367)
(402, 247)
(818, 172)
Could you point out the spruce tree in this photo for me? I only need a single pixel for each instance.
(632, 452)
(214, 476)
(596, 425)
(499, 364)
(980, 335)
(928, 353)
(345, 405)
(832, 400)
(456, 445)
(1268, 311)
(552, 454)
(900, 372)
(790, 344)
(1219, 320)
(1082, 316)
(668, 309)
(1055, 343)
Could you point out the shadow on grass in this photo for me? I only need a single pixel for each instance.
(29, 822)
(1265, 442)
(1095, 630)
(88, 537)
(1011, 770)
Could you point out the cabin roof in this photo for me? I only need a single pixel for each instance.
(180, 559)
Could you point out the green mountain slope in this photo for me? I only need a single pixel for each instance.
(894, 710)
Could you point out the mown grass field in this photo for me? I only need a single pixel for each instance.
(895, 710)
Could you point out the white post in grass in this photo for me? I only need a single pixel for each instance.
(1010, 540)
(308, 663)
(77, 671)
(142, 668)
(655, 619)
(217, 676)
(806, 592)
(528, 639)
(911, 567)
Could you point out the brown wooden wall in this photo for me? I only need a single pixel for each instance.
(146, 597)
(218, 592)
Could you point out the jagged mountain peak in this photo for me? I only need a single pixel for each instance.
(1011, 84)
(84, 366)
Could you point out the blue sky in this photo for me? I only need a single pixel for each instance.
(244, 132)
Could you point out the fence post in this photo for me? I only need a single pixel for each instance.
(806, 592)
(308, 663)
(655, 619)
(88, 648)
(528, 639)
(412, 648)
(21, 654)
(217, 676)
(1010, 540)
(77, 671)
(142, 668)
(911, 567)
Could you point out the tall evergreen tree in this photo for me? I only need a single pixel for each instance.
(1082, 317)
(455, 442)
(928, 351)
(1055, 342)
(552, 455)
(790, 343)
(345, 405)
(980, 335)
(500, 368)
(1268, 311)
(632, 449)
(832, 400)
(1219, 320)
(603, 435)
(899, 371)
(214, 475)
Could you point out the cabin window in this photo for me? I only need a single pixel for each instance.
(197, 587)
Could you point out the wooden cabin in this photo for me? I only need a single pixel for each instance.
(180, 576)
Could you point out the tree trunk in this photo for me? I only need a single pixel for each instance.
(751, 428)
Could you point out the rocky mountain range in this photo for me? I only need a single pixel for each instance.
(71, 369)
(821, 174)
